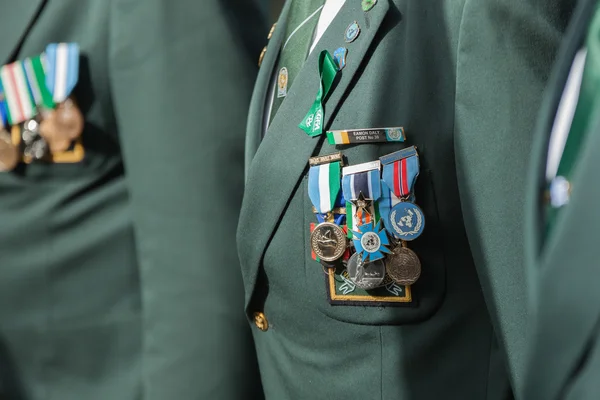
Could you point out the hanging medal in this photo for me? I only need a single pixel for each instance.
(405, 221)
(328, 239)
(361, 185)
(21, 108)
(400, 171)
(65, 123)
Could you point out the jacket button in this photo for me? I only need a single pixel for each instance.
(262, 55)
(270, 35)
(261, 321)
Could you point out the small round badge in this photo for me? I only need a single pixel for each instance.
(370, 242)
(406, 221)
(560, 192)
(328, 241)
(403, 266)
(352, 32)
(365, 276)
(282, 82)
(368, 4)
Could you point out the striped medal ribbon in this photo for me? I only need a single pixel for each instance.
(36, 77)
(19, 102)
(361, 185)
(62, 62)
(404, 219)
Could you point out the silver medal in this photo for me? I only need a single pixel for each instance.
(366, 276)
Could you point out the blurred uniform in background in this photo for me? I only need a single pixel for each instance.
(122, 176)
(380, 235)
(564, 222)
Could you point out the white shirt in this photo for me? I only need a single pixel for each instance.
(328, 13)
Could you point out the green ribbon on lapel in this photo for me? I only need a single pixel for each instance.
(312, 123)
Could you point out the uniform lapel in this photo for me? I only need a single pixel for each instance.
(283, 155)
(262, 87)
(557, 289)
(17, 16)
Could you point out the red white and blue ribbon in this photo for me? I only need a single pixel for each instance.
(20, 105)
(400, 171)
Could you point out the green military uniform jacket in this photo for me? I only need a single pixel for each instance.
(464, 79)
(118, 279)
(563, 254)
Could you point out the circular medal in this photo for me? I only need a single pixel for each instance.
(69, 120)
(403, 266)
(9, 155)
(370, 242)
(406, 221)
(328, 241)
(61, 126)
(366, 276)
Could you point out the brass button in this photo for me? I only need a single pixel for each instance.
(261, 321)
(262, 55)
(270, 35)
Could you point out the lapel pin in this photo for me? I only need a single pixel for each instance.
(560, 192)
(282, 83)
(352, 32)
(340, 57)
(368, 4)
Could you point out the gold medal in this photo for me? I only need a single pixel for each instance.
(9, 155)
(328, 241)
(403, 265)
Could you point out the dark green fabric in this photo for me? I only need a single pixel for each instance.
(118, 279)
(294, 54)
(563, 349)
(461, 78)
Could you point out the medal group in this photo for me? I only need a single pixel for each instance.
(366, 216)
(38, 116)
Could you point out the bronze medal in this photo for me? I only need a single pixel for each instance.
(9, 155)
(328, 241)
(403, 266)
(69, 120)
(61, 126)
(366, 276)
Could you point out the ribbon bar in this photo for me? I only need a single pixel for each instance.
(399, 155)
(369, 135)
(364, 167)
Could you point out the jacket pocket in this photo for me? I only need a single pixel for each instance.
(391, 304)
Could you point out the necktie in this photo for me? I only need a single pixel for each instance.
(302, 21)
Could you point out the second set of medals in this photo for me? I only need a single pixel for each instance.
(367, 217)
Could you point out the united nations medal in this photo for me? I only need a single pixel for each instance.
(403, 266)
(406, 221)
(328, 241)
(9, 155)
(366, 276)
